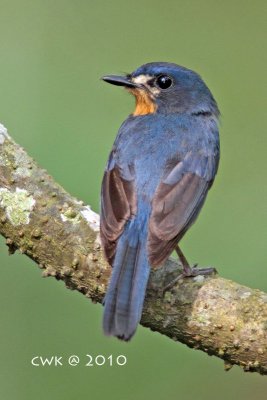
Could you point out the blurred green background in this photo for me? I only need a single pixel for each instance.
(53, 103)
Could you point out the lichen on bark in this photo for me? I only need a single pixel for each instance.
(17, 204)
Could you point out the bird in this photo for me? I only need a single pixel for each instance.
(159, 171)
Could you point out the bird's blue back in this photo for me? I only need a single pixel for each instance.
(149, 142)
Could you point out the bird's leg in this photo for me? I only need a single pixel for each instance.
(187, 270)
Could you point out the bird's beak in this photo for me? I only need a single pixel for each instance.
(120, 81)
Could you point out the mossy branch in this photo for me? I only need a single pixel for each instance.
(40, 219)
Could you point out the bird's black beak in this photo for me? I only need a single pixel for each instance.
(120, 81)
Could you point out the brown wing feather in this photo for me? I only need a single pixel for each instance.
(118, 204)
(174, 208)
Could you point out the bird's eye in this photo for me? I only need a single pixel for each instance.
(164, 81)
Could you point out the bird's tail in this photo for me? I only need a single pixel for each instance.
(126, 292)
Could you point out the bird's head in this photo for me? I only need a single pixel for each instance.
(167, 88)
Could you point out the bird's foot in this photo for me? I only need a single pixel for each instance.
(195, 271)
(189, 272)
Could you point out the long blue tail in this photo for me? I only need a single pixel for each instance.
(126, 292)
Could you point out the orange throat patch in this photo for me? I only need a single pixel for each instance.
(144, 104)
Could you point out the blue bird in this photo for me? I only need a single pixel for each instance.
(162, 164)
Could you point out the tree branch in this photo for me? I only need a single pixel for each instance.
(40, 219)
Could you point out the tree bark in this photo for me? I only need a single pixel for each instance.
(40, 219)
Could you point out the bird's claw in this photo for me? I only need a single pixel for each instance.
(188, 273)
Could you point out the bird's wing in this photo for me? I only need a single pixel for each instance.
(118, 204)
(177, 202)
